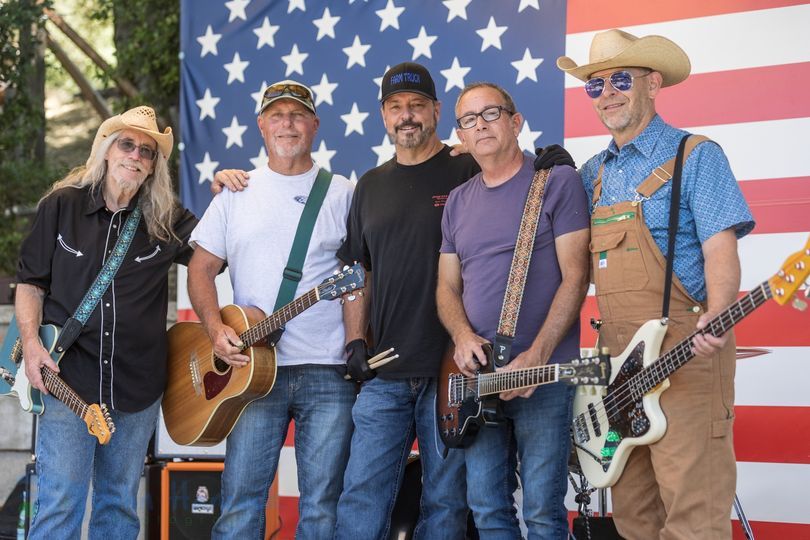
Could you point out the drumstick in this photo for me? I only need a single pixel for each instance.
(378, 360)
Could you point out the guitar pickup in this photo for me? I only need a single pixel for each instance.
(581, 430)
(597, 429)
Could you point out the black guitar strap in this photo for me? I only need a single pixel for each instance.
(674, 212)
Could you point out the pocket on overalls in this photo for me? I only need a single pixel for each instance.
(617, 263)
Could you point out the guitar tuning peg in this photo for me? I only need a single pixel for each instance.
(351, 298)
(345, 267)
(342, 301)
(593, 390)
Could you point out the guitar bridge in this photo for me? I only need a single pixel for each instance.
(194, 368)
(455, 390)
(581, 435)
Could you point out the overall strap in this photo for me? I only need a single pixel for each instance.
(73, 326)
(519, 270)
(298, 253)
(674, 213)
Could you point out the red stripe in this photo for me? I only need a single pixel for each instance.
(707, 99)
(771, 325)
(186, 314)
(772, 434)
(779, 205)
(288, 512)
(589, 15)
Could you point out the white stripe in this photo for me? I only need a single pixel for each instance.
(774, 491)
(223, 282)
(773, 379)
(762, 255)
(742, 143)
(722, 42)
(288, 473)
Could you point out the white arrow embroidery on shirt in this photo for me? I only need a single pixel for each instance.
(67, 247)
(141, 259)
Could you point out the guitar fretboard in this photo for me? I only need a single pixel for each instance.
(503, 381)
(63, 392)
(654, 374)
(279, 318)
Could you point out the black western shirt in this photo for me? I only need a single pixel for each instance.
(120, 357)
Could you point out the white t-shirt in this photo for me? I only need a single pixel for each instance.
(253, 231)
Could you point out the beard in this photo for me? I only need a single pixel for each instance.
(411, 139)
(283, 150)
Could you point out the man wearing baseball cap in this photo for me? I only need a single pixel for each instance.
(394, 229)
(119, 207)
(254, 230)
(683, 485)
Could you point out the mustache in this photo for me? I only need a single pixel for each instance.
(408, 123)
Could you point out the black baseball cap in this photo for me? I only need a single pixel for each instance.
(408, 77)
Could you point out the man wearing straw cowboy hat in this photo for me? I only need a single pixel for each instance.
(122, 195)
(683, 485)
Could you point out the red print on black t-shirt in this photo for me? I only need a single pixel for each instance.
(439, 201)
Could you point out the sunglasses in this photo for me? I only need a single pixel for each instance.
(128, 145)
(620, 80)
(294, 90)
(490, 114)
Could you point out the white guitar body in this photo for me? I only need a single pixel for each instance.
(602, 446)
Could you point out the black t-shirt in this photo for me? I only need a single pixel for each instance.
(120, 356)
(394, 229)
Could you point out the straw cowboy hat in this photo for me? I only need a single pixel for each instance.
(141, 119)
(615, 48)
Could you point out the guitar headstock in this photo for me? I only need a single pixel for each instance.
(592, 369)
(99, 423)
(347, 280)
(791, 276)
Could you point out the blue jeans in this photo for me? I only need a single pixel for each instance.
(68, 458)
(387, 416)
(320, 401)
(537, 430)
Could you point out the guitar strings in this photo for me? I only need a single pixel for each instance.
(624, 396)
(496, 381)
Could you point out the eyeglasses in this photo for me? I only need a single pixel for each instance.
(294, 90)
(490, 114)
(620, 80)
(128, 145)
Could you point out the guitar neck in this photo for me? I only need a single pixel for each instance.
(503, 381)
(279, 318)
(652, 375)
(64, 393)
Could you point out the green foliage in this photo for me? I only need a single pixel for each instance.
(23, 177)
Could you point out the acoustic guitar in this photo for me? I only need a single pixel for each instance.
(205, 396)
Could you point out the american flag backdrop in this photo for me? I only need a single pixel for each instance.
(750, 63)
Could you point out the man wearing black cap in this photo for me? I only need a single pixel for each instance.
(394, 229)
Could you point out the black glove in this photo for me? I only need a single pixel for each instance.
(552, 155)
(357, 361)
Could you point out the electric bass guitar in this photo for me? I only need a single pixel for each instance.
(606, 430)
(13, 381)
(465, 404)
(206, 396)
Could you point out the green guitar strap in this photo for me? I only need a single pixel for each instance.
(298, 253)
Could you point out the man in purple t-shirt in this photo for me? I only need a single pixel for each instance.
(479, 230)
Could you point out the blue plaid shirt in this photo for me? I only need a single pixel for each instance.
(711, 200)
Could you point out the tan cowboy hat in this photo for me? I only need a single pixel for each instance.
(615, 48)
(141, 119)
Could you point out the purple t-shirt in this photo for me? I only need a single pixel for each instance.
(480, 225)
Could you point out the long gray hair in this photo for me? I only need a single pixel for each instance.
(157, 198)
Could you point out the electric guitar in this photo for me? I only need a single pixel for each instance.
(206, 396)
(606, 430)
(13, 381)
(465, 404)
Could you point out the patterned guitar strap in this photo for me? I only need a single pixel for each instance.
(73, 326)
(513, 297)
